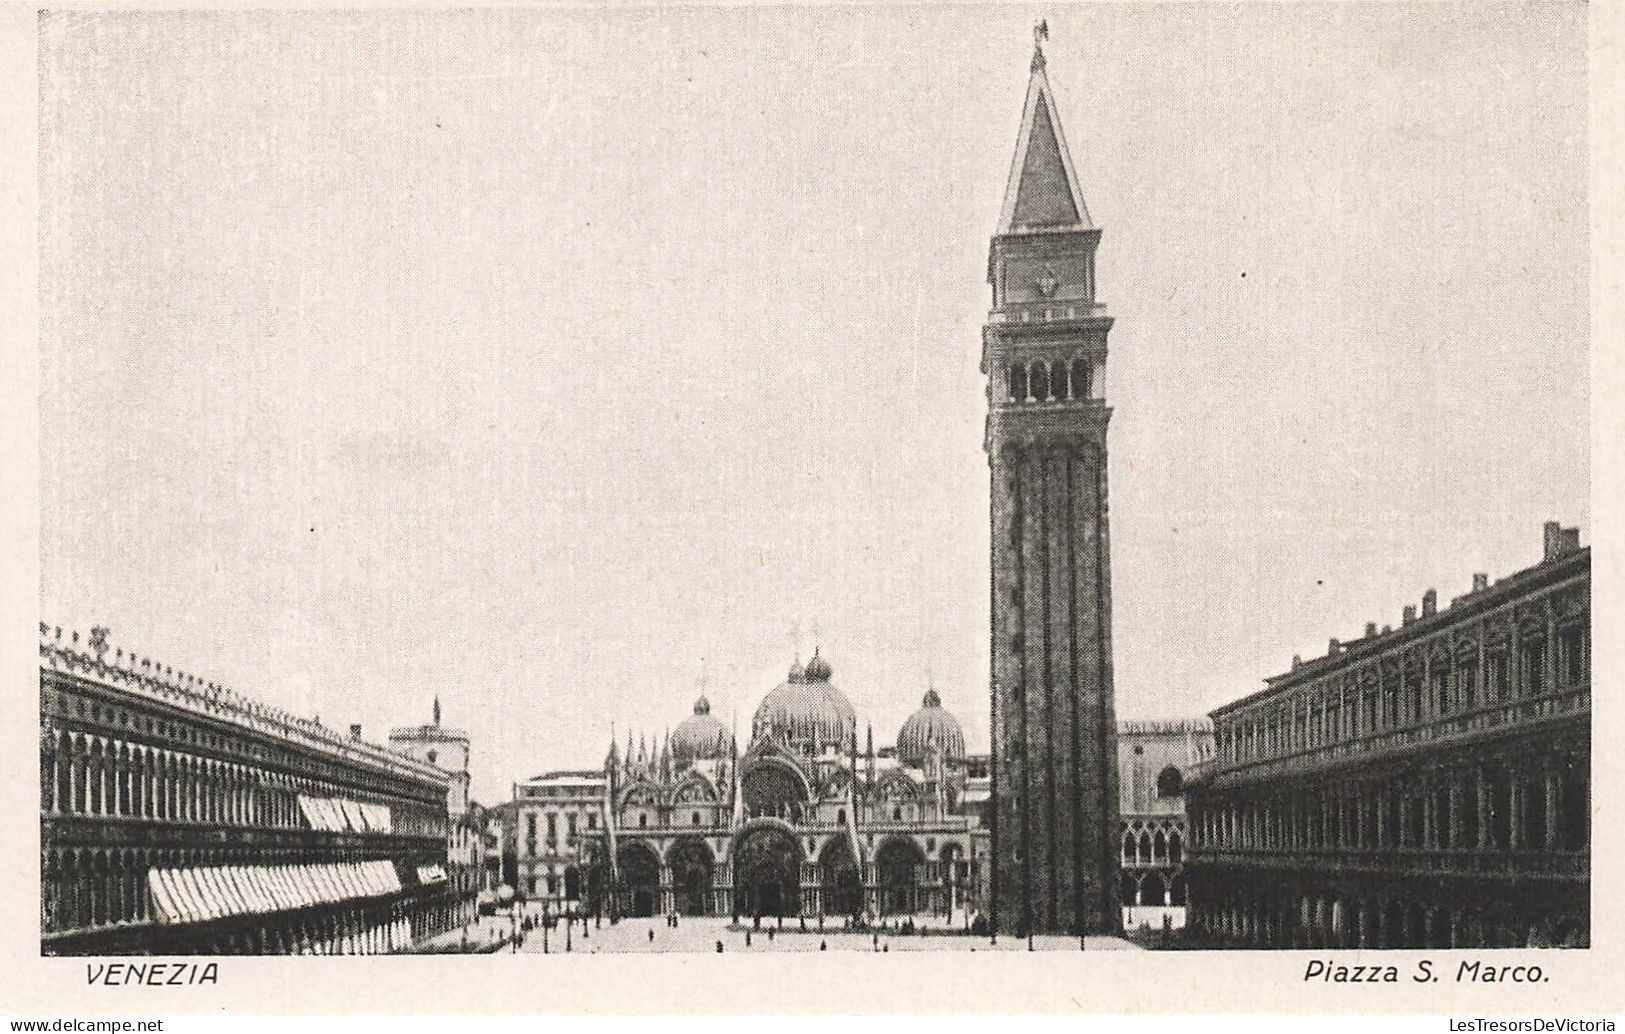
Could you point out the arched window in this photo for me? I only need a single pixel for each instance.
(64, 775)
(1176, 852)
(643, 820)
(1170, 783)
(1040, 380)
(1080, 378)
(1017, 378)
(696, 818)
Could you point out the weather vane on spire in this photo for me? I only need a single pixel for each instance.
(1040, 34)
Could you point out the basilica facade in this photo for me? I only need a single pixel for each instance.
(802, 819)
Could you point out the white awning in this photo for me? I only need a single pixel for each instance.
(342, 815)
(200, 894)
(428, 874)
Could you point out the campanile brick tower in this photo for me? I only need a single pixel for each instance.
(1054, 816)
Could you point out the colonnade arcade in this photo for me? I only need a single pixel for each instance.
(1529, 801)
(1153, 860)
(1312, 911)
(99, 897)
(1400, 850)
(770, 868)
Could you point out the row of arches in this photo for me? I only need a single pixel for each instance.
(90, 888)
(213, 725)
(1322, 920)
(1535, 803)
(1158, 889)
(1146, 848)
(1049, 380)
(1431, 681)
(770, 873)
(352, 929)
(98, 776)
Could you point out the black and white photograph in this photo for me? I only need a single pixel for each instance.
(1035, 485)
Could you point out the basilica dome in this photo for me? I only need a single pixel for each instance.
(699, 736)
(806, 709)
(931, 725)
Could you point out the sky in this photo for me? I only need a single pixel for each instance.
(561, 363)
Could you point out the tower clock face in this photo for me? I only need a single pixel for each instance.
(1047, 283)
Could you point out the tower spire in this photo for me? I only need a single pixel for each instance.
(1043, 191)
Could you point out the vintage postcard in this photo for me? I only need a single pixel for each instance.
(1091, 506)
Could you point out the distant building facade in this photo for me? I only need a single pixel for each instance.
(177, 817)
(1154, 759)
(1425, 786)
(560, 817)
(443, 747)
(448, 750)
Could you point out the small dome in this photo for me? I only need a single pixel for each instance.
(931, 726)
(818, 669)
(806, 710)
(699, 736)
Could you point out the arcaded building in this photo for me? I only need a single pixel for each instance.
(806, 818)
(1420, 786)
(178, 817)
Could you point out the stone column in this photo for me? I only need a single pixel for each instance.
(1515, 807)
(1456, 795)
(1552, 788)
(1551, 647)
(668, 902)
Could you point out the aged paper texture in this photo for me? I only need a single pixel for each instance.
(862, 509)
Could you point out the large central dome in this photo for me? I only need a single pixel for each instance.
(807, 710)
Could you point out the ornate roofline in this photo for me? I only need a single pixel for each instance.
(210, 699)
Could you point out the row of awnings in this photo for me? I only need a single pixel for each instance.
(340, 815)
(220, 892)
(428, 874)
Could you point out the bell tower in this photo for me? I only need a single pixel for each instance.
(1054, 814)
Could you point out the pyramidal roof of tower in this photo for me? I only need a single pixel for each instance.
(1043, 191)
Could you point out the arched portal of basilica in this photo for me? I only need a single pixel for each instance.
(897, 864)
(767, 872)
(842, 884)
(692, 868)
(639, 870)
